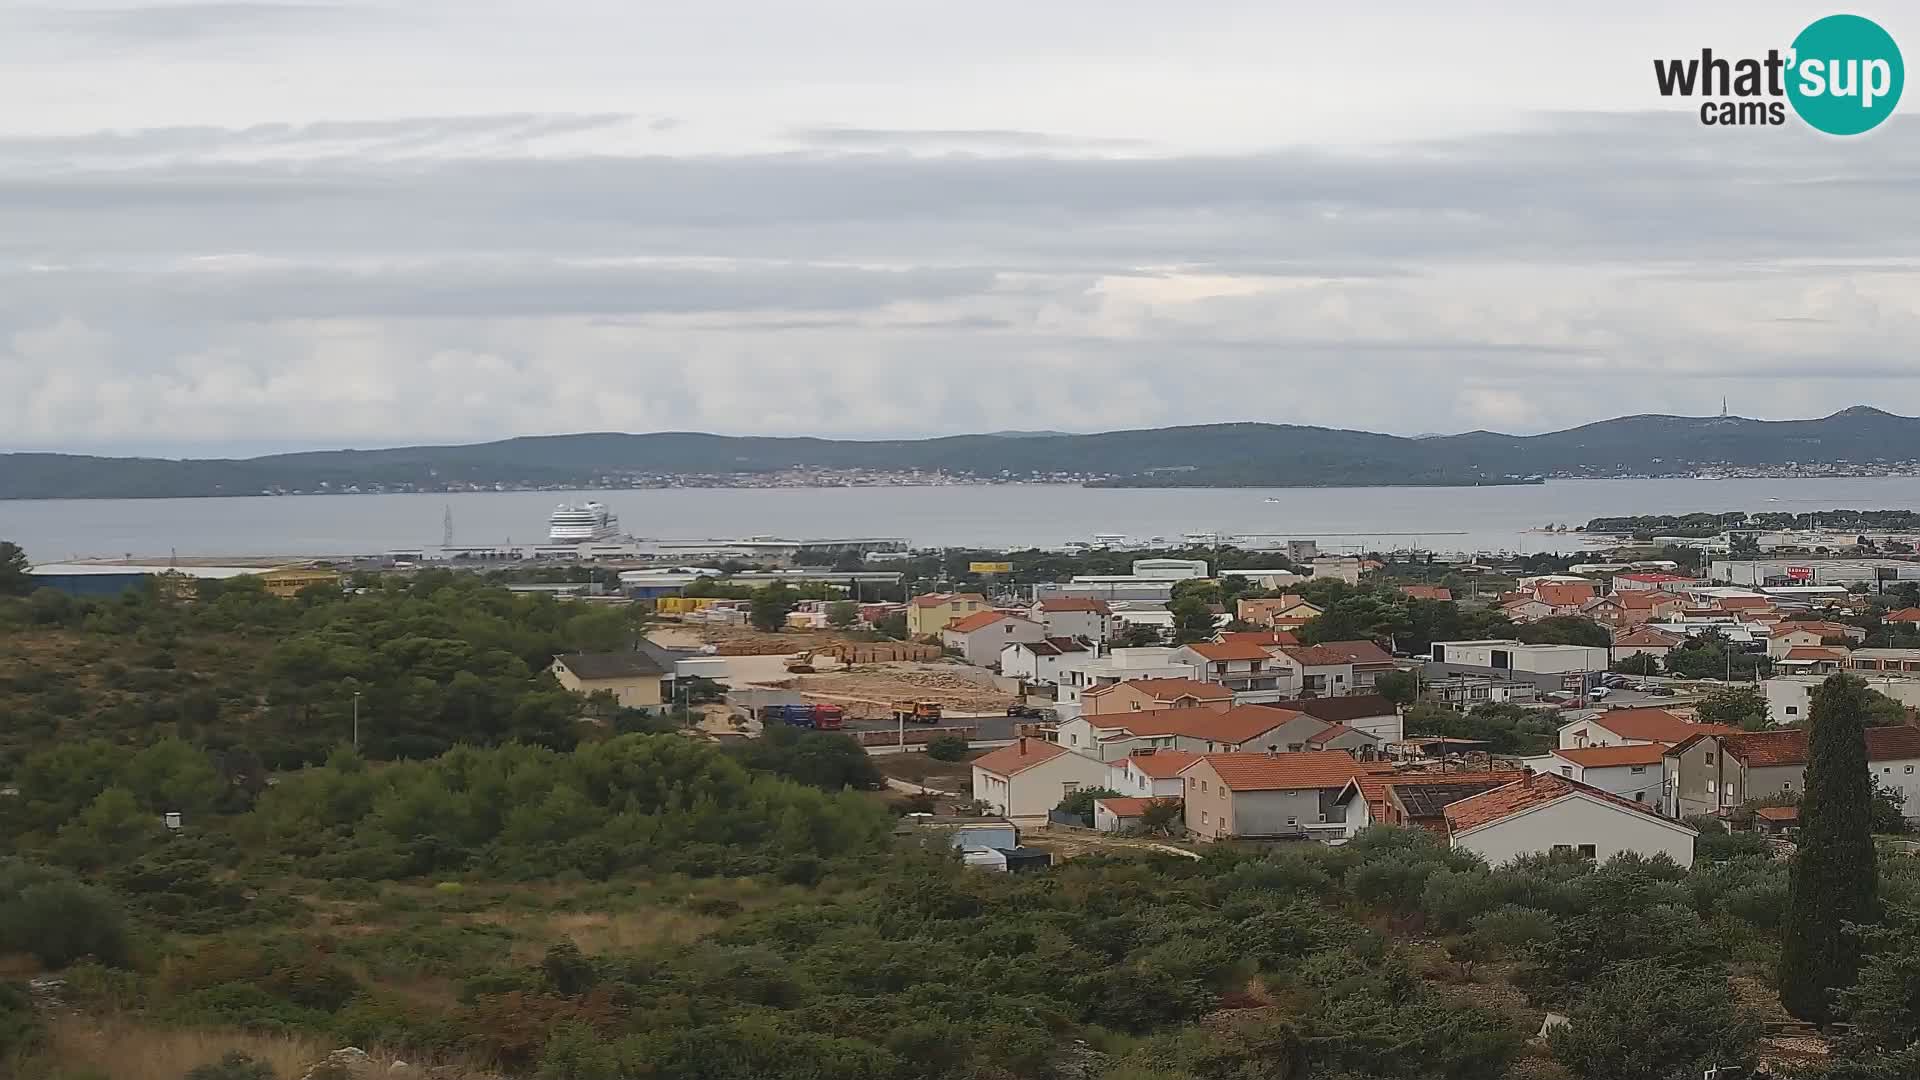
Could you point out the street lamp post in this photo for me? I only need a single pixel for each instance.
(356, 721)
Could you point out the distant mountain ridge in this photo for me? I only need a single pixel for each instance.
(1206, 455)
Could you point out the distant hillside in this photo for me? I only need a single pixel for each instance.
(1210, 455)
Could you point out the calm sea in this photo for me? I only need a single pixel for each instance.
(1439, 519)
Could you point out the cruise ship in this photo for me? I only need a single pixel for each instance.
(589, 523)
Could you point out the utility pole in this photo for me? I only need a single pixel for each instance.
(356, 721)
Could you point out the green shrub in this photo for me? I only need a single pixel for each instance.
(948, 748)
(57, 920)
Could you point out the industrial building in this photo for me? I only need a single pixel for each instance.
(1811, 570)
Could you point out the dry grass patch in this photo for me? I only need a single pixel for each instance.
(127, 1050)
(597, 932)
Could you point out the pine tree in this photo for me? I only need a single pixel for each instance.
(1834, 879)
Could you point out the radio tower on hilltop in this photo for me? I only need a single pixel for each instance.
(1723, 412)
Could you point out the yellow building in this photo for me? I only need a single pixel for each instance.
(929, 614)
(634, 679)
(287, 581)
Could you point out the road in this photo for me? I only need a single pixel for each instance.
(992, 727)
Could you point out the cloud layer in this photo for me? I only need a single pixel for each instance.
(380, 279)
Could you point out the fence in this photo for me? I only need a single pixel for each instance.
(916, 736)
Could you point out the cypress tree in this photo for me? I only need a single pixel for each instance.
(1834, 879)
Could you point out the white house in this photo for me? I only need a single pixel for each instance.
(1242, 667)
(1119, 665)
(1041, 661)
(979, 637)
(1113, 814)
(1634, 771)
(1546, 812)
(1626, 727)
(1149, 773)
(1075, 617)
(1312, 671)
(1030, 777)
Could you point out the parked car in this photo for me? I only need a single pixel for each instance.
(1025, 711)
(1660, 691)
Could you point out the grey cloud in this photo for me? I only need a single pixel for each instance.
(173, 22)
(982, 139)
(498, 289)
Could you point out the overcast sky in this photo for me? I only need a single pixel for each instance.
(237, 227)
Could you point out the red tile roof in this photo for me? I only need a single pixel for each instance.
(1426, 592)
(1360, 652)
(1283, 772)
(1563, 593)
(1167, 689)
(1646, 598)
(1905, 614)
(1162, 764)
(1022, 755)
(1656, 725)
(1316, 656)
(1232, 727)
(980, 620)
(1232, 650)
(1535, 790)
(1073, 603)
(1732, 603)
(1126, 808)
(1332, 732)
(1600, 757)
(1778, 813)
(1789, 746)
(1814, 653)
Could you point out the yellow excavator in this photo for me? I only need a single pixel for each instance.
(802, 664)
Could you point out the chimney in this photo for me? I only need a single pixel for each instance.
(1023, 746)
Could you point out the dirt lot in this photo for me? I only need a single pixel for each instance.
(954, 776)
(871, 689)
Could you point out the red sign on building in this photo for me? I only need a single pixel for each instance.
(1800, 573)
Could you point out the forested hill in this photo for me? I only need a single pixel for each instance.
(1210, 455)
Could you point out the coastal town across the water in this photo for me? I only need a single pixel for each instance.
(1262, 693)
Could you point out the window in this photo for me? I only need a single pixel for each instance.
(1069, 788)
(1323, 819)
(1557, 848)
(1203, 787)
(1223, 793)
(1786, 785)
(1293, 823)
(1637, 769)
(1587, 851)
(1566, 771)
(1073, 740)
(1793, 710)
(1709, 759)
(1203, 817)
(1709, 787)
(1909, 770)
(1639, 796)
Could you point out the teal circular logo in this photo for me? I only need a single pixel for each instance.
(1847, 75)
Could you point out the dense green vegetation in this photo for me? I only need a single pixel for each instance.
(1835, 883)
(434, 660)
(1704, 524)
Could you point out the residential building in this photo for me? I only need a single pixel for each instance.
(1368, 660)
(930, 613)
(1527, 609)
(1246, 669)
(1813, 660)
(1339, 567)
(1041, 661)
(1109, 587)
(1412, 798)
(1546, 812)
(1565, 597)
(1080, 617)
(1368, 713)
(635, 679)
(1633, 727)
(1313, 671)
(1426, 592)
(1248, 796)
(1030, 777)
(1634, 771)
(1645, 641)
(979, 637)
(1266, 639)
(1148, 695)
(1908, 616)
(1248, 728)
(1790, 697)
(1905, 661)
(1118, 665)
(1149, 773)
(1118, 813)
(1713, 773)
(1276, 612)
